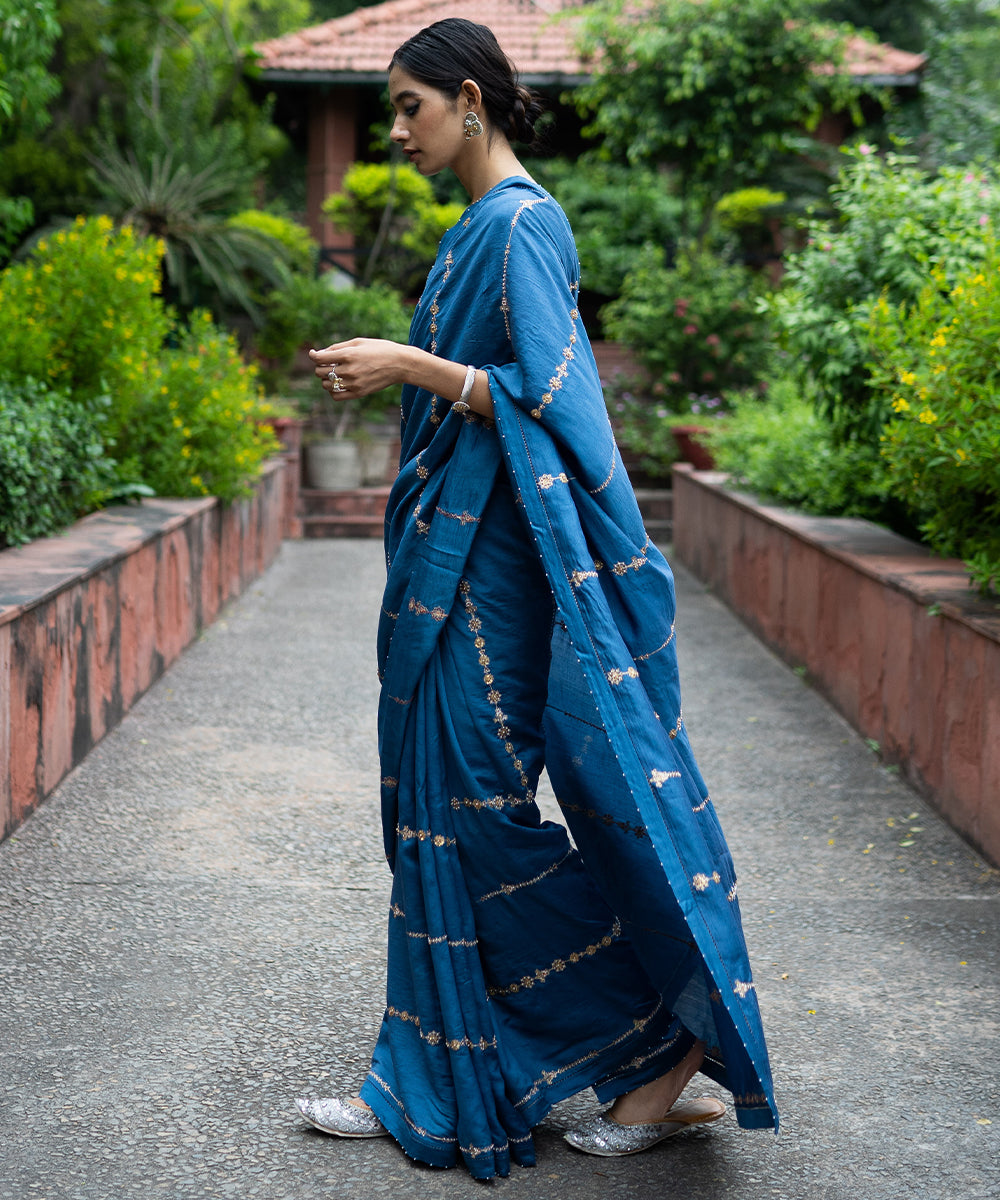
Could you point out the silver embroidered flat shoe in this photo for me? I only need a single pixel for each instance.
(341, 1118)
(607, 1137)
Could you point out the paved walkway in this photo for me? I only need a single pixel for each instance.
(191, 934)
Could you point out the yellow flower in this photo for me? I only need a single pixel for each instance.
(908, 378)
(900, 405)
(939, 339)
(186, 451)
(927, 417)
(178, 423)
(961, 455)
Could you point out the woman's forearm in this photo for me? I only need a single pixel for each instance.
(447, 379)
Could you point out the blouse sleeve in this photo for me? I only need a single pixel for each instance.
(553, 378)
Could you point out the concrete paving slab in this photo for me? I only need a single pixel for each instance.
(192, 933)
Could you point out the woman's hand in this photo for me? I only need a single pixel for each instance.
(360, 367)
(365, 365)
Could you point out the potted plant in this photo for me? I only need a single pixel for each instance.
(691, 431)
(348, 443)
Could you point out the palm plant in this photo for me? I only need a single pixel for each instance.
(188, 208)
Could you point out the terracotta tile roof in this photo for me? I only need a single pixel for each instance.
(357, 47)
(877, 60)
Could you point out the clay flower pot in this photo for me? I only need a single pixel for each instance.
(692, 450)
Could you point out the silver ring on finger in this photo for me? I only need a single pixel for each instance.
(334, 378)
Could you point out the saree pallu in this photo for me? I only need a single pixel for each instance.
(529, 622)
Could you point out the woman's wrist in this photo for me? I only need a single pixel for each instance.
(448, 380)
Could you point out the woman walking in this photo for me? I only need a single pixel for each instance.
(527, 622)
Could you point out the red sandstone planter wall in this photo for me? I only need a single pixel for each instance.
(892, 636)
(91, 618)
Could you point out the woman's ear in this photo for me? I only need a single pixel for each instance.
(471, 95)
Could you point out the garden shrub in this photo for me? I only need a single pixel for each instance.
(401, 253)
(782, 449)
(300, 247)
(694, 327)
(614, 211)
(203, 430)
(936, 368)
(896, 223)
(83, 314)
(53, 464)
(314, 311)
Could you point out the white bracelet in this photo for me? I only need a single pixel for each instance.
(461, 405)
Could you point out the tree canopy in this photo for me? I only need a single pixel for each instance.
(714, 89)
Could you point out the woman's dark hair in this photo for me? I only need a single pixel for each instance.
(448, 52)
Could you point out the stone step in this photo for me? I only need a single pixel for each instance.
(345, 502)
(360, 512)
(656, 504)
(360, 525)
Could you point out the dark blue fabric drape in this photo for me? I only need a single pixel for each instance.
(527, 622)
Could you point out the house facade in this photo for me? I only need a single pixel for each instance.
(330, 77)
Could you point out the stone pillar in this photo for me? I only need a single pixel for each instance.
(332, 149)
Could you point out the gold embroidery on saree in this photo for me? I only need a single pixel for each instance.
(659, 778)
(670, 638)
(741, 988)
(464, 518)
(547, 481)
(549, 1077)
(639, 560)
(508, 889)
(558, 965)
(577, 578)
(606, 818)
(496, 803)
(421, 610)
(499, 717)
(417, 1129)
(434, 1038)
(610, 476)
(555, 383)
(504, 302)
(616, 676)
(406, 834)
(641, 1059)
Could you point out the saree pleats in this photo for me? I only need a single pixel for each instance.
(527, 623)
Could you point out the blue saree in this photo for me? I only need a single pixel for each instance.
(528, 622)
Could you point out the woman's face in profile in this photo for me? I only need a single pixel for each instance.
(428, 125)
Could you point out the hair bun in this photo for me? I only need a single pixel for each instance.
(525, 111)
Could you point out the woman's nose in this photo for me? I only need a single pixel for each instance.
(398, 133)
